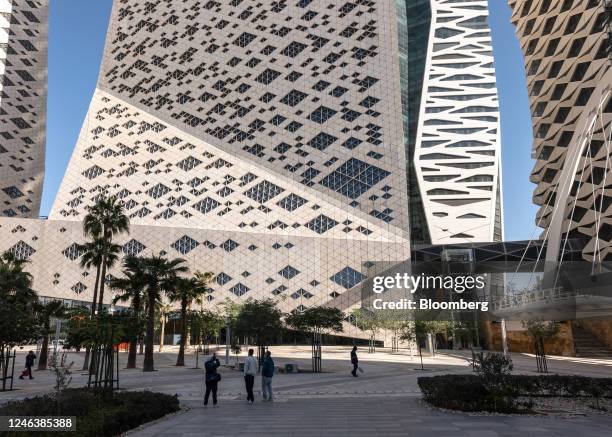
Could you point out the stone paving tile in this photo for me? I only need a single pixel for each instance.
(383, 401)
(356, 417)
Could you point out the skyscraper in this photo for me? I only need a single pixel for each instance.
(566, 45)
(276, 144)
(23, 104)
(451, 114)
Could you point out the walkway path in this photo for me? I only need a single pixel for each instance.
(385, 399)
(364, 416)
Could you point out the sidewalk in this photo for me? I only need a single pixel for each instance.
(385, 373)
(364, 416)
(384, 400)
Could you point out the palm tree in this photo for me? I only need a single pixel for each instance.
(54, 308)
(15, 281)
(103, 221)
(110, 255)
(17, 299)
(97, 253)
(159, 276)
(132, 289)
(92, 254)
(187, 290)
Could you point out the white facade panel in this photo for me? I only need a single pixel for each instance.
(458, 147)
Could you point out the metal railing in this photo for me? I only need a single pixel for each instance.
(518, 300)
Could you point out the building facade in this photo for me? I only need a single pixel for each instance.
(276, 144)
(453, 124)
(23, 105)
(566, 45)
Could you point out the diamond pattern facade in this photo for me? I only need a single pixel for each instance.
(567, 53)
(275, 157)
(23, 103)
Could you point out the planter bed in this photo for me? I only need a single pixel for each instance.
(97, 413)
(515, 393)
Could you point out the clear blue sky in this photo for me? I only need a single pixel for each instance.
(77, 31)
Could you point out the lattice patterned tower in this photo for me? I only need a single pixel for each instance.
(267, 143)
(566, 45)
(456, 129)
(23, 103)
(263, 143)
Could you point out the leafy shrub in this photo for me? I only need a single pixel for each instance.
(469, 393)
(97, 413)
(500, 395)
(563, 386)
(492, 365)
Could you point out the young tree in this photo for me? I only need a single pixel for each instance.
(131, 288)
(316, 321)
(260, 320)
(185, 292)
(418, 329)
(78, 318)
(369, 321)
(392, 321)
(159, 276)
(229, 311)
(540, 331)
(47, 311)
(209, 324)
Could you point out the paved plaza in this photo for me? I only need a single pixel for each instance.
(385, 399)
(360, 416)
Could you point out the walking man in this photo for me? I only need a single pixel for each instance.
(212, 378)
(250, 370)
(354, 361)
(267, 372)
(30, 357)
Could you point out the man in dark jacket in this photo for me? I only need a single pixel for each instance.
(354, 361)
(212, 378)
(267, 372)
(30, 357)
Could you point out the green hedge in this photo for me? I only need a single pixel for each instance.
(500, 395)
(468, 393)
(98, 413)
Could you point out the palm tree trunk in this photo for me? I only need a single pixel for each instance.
(131, 361)
(44, 351)
(93, 314)
(102, 283)
(141, 337)
(188, 331)
(95, 296)
(148, 365)
(161, 335)
(180, 360)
